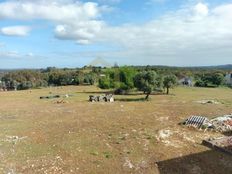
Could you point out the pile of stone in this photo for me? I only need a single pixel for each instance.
(220, 124)
(101, 98)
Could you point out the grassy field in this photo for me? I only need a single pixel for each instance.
(127, 136)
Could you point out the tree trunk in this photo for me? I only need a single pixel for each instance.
(167, 91)
(147, 96)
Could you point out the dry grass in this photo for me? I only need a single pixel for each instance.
(128, 136)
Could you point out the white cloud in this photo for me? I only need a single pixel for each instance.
(82, 31)
(50, 10)
(15, 54)
(2, 44)
(110, 1)
(201, 9)
(190, 35)
(75, 16)
(15, 30)
(155, 1)
(9, 54)
(186, 36)
(29, 54)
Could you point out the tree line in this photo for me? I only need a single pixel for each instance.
(27, 79)
(125, 79)
(121, 79)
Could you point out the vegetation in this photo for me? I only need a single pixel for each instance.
(209, 80)
(147, 82)
(169, 82)
(27, 79)
(121, 79)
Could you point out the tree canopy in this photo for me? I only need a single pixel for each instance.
(147, 82)
(121, 79)
(169, 81)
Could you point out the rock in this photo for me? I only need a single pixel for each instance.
(101, 98)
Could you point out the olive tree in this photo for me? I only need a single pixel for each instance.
(147, 81)
(169, 81)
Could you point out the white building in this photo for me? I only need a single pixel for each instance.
(228, 79)
(186, 81)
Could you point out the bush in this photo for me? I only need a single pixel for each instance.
(89, 79)
(121, 78)
(200, 83)
(25, 85)
(210, 80)
(104, 83)
(120, 92)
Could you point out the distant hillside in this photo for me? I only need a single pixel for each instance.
(216, 67)
(223, 67)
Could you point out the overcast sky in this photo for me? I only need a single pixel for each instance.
(70, 33)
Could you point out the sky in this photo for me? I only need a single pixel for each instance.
(72, 33)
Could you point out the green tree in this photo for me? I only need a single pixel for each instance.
(218, 79)
(25, 85)
(200, 83)
(78, 78)
(118, 78)
(90, 78)
(169, 82)
(147, 82)
(126, 77)
(104, 83)
(209, 79)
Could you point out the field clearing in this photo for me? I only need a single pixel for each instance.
(127, 136)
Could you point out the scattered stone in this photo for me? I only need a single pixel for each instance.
(14, 139)
(60, 102)
(163, 119)
(223, 144)
(208, 102)
(11, 171)
(222, 123)
(163, 134)
(128, 164)
(142, 165)
(101, 98)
